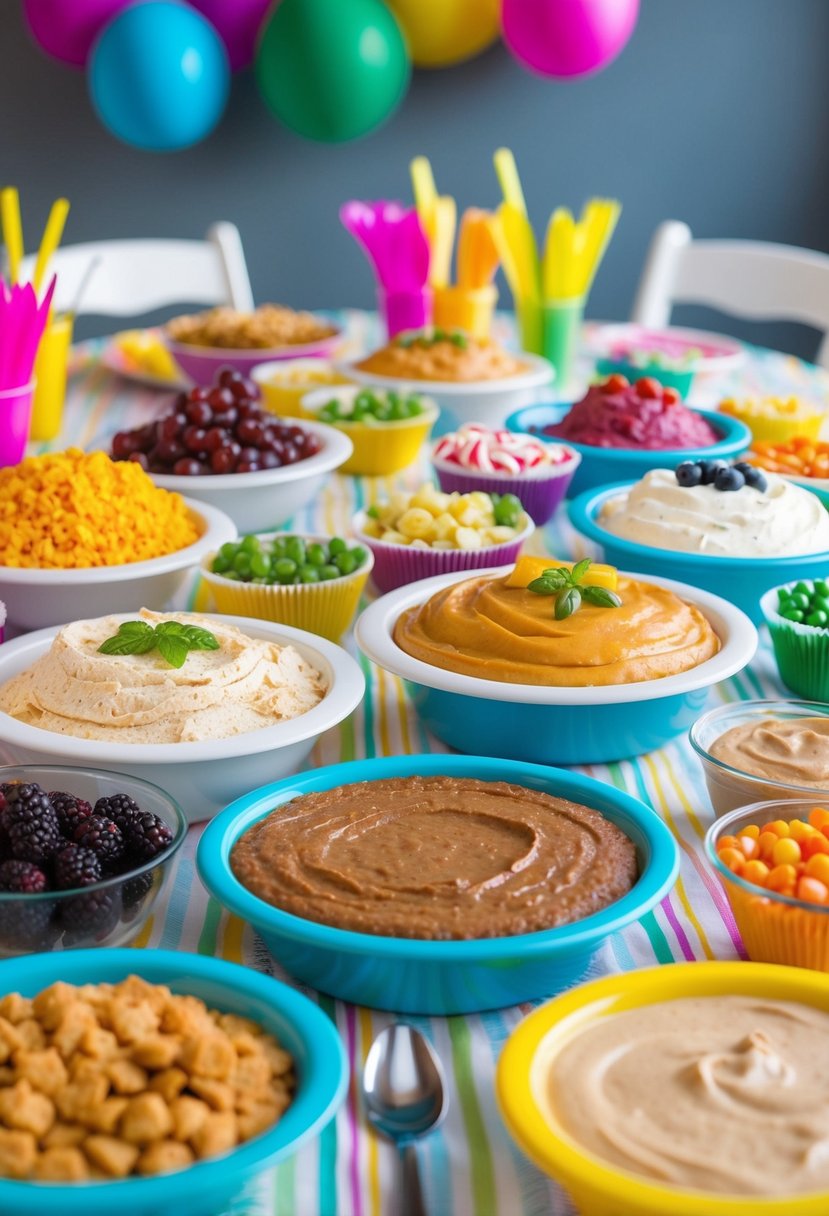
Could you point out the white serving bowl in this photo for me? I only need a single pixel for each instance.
(554, 725)
(202, 777)
(260, 502)
(487, 401)
(36, 599)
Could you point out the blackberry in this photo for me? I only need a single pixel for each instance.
(31, 822)
(146, 835)
(76, 866)
(100, 835)
(134, 890)
(118, 807)
(93, 912)
(22, 878)
(69, 810)
(24, 923)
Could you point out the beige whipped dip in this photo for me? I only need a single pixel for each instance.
(783, 521)
(245, 685)
(725, 1094)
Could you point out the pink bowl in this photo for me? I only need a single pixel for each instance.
(201, 363)
(398, 565)
(540, 494)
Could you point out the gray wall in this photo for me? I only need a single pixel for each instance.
(717, 113)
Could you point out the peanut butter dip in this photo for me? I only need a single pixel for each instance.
(481, 627)
(794, 750)
(436, 858)
(245, 685)
(477, 359)
(724, 1094)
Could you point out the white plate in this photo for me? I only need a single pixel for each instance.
(114, 360)
(719, 353)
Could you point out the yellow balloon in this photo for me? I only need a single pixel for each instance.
(443, 32)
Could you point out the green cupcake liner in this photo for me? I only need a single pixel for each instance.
(801, 651)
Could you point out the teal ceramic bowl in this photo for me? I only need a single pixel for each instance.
(439, 977)
(741, 580)
(210, 1186)
(681, 380)
(602, 465)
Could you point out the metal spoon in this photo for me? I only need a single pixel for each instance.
(405, 1097)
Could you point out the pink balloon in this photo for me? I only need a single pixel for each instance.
(566, 38)
(238, 23)
(66, 29)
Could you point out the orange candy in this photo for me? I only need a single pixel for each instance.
(787, 857)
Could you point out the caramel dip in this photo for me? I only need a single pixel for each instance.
(777, 753)
(724, 1094)
(436, 858)
(408, 357)
(246, 684)
(482, 627)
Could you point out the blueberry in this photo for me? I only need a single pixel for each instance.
(710, 469)
(729, 479)
(688, 473)
(755, 478)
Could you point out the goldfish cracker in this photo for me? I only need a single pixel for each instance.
(70, 510)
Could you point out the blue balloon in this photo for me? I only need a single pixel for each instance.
(159, 76)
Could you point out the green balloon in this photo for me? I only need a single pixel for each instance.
(332, 70)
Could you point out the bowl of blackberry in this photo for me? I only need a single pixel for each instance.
(84, 856)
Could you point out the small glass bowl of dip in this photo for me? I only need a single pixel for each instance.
(730, 788)
(775, 928)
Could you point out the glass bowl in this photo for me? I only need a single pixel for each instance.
(107, 913)
(730, 788)
(775, 928)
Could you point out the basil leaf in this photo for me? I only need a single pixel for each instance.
(200, 639)
(171, 629)
(558, 575)
(568, 601)
(542, 586)
(580, 569)
(601, 597)
(135, 628)
(129, 643)
(173, 650)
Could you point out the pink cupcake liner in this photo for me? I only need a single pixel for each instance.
(540, 496)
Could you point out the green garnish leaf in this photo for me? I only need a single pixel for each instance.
(568, 601)
(172, 639)
(569, 588)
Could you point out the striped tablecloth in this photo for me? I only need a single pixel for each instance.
(470, 1167)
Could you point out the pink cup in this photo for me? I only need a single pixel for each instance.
(403, 310)
(15, 421)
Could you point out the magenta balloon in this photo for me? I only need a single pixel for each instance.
(238, 23)
(66, 29)
(565, 38)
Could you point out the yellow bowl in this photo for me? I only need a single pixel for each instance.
(381, 448)
(601, 1189)
(326, 609)
(284, 382)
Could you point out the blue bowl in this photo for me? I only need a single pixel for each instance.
(438, 977)
(546, 724)
(209, 1186)
(742, 580)
(601, 465)
(670, 377)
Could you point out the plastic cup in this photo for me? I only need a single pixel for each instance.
(562, 321)
(402, 310)
(50, 374)
(15, 420)
(530, 326)
(467, 308)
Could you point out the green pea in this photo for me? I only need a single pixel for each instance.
(803, 588)
(285, 569)
(259, 565)
(336, 545)
(220, 563)
(818, 619)
(315, 555)
(295, 549)
(278, 546)
(792, 614)
(346, 563)
(309, 574)
(799, 599)
(358, 553)
(327, 572)
(229, 549)
(241, 564)
(249, 544)
(821, 603)
(233, 576)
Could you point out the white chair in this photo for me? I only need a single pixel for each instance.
(744, 278)
(133, 277)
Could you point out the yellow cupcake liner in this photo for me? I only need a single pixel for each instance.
(326, 609)
(779, 428)
(778, 932)
(301, 376)
(387, 447)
